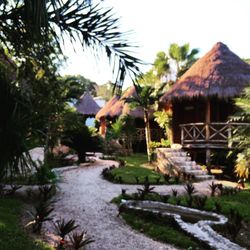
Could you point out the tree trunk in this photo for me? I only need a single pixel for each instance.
(81, 156)
(148, 134)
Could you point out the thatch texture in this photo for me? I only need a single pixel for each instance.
(219, 73)
(104, 111)
(87, 105)
(117, 106)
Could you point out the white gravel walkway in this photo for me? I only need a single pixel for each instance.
(85, 197)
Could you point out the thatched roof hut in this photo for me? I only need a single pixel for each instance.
(201, 100)
(87, 105)
(219, 73)
(118, 106)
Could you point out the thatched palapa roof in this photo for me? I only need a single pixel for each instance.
(219, 73)
(87, 105)
(117, 106)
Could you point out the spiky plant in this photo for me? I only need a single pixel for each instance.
(63, 228)
(79, 241)
(190, 189)
(213, 186)
(41, 214)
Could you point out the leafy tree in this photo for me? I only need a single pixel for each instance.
(14, 126)
(33, 33)
(105, 90)
(161, 64)
(79, 137)
(242, 136)
(76, 85)
(149, 78)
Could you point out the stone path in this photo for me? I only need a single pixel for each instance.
(85, 197)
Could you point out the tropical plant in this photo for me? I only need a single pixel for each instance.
(14, 126)
(44, 22)
(46, 192)
(213, 188)
(79, 137)
(33, 98)
(190, 189)
(147, 189)
(182, 57)
(80, 240)
(41, 214)
(145, 97)
(164, 120)
(63, 228)
(200, 201)
(242, 135)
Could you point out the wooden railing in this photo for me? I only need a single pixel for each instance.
(215, 134)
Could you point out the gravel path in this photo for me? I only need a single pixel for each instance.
(85, 197)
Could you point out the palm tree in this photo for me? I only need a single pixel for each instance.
(182, 58)
(145, 97)
(39, 23)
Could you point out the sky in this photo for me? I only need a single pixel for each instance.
(156, 24)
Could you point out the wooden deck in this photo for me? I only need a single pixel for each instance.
(213, 135)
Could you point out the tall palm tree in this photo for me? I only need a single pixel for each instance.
(145, 97)
(26, 24)
(182, 57)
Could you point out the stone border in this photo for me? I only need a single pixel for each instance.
(201, 230)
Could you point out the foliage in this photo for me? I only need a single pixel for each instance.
(164, 120)
(182, 58)
(14, 127)
(134, 173)
(242, 135)
(41, 214)
(76, 85)
(12, 235)
(80, 240)
(63, 228)
(145, 190)
(44, 174)
(162, 144)
(32, 22)
(105, 91)
(159, 231)
(145, 97)
(190, 189)
(79, 137)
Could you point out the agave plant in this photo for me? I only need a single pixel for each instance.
(80, 240)
(42, 212)
(200, 201)
(190, 189)
(145, 190)
(46, 192)
(174, 192)
(63, 228)
(213, 188)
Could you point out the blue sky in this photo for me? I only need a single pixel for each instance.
(156, 24)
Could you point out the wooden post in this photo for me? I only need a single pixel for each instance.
(208, 120)
(102, 128)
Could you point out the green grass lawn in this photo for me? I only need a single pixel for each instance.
(12, 237)
(135, 169)
(158, 231)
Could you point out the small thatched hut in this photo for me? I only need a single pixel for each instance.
(87, 105)
(117, 106)
(202, 99)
